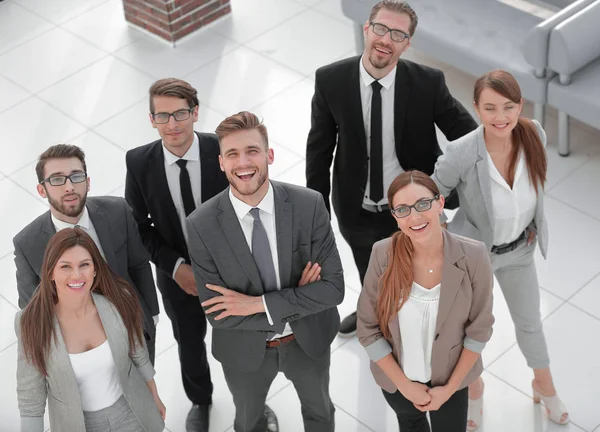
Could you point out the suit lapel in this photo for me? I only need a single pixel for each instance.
(116, 340)
(353, 106)
(48, 229)
(59, 356)
(103, 230)
(230, 225)
(283, 227)
(401, 97)
(209, 164)
(452, 277)
(156, 165)
(483, 173)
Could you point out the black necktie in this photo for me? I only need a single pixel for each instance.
(376, 158)
(186, 187)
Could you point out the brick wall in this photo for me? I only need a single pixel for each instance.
(174, 19)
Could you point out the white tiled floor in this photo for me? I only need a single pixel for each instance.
(72, 71)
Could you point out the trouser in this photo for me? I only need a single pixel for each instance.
(189, 329)
(309, 376)
(368, 229)
(116, 418)
(517, 277)
(451, 417)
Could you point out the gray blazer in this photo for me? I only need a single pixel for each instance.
(464, 317)
(220, 255)
(60, 387)
(118, 233)
(464, 167)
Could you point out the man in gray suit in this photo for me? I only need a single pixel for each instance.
(269, 275)
(63, 180)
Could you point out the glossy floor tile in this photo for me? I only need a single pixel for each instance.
(73, 71)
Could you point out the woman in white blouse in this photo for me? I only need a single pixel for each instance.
(425, 311)
(499, 171)
(81, 347)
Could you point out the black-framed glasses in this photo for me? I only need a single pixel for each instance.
(420, 206)
(381, 30)
(181, 115)
(59, 180)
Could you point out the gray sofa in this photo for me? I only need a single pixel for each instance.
(574, 53)
(477, 36)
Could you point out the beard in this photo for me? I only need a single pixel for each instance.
(67, 210)
(377, 62)
(249, 190)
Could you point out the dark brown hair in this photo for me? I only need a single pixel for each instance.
(59, 151)
(396, 281)
(525, 136)
(37, 320)
(244, 120)
(173, 87)
(398, 7)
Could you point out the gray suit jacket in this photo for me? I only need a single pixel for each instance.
(118, 233)
(221, 256)
(60, 387)
(464, 167)
(464, 317)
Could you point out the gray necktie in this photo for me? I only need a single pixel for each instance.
(261, 251)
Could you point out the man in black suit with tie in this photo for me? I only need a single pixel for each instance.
(63, 181)
(381, 112)
(166, 180)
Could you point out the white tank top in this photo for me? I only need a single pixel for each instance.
(97, 378)
(417, 319)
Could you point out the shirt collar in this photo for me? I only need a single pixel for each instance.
(193, 153)
(367, 79)
(84, 221)
(242, 209)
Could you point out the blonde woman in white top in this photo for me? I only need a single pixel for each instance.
(499, 171)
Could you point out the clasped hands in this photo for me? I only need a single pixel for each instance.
(425, 398)
(233, 303)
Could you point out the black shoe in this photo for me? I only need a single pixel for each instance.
(348, 326)
(197, 419)
(272, 423)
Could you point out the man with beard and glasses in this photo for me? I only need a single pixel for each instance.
(166, 180)
(269, 276)
(63, 180)
(380, 112)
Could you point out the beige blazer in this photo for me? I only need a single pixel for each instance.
(464, 316)
(60, 387)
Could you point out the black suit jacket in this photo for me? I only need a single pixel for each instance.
(422, 101)
(124, 252)
(147, 192)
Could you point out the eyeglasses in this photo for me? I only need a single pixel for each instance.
(181, 115)
(59, 180)
(381, 30)
(420, 206)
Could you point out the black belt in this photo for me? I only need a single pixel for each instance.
(379, 208)
(509, 247)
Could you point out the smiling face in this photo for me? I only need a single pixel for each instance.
(74, 273)
(498, 114)
(381, 51)
(177, 136)
(245, 160)
(68, 199)
(419, 226)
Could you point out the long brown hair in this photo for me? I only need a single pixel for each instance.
(525, 136)
(396, 281)
(37, 320)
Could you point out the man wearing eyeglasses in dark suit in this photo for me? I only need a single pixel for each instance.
(378, 114)
(166, 180)
(63, 181)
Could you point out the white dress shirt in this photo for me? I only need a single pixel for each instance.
(267, 217)
(417, 319)
(391, 166)
(514, 209)
(84, 222)
(96, 375)
(172, 170)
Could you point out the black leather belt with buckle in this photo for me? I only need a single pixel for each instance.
(509, 247)
(380, 208)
